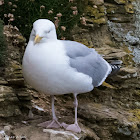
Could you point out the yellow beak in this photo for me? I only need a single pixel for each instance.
(37, 39)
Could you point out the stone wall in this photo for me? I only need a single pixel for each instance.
(109, 27)
(13, 93)
(109, 112)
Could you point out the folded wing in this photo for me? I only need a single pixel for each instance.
(88, 61)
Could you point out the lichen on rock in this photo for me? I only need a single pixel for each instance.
(109, 112)
(11, 79)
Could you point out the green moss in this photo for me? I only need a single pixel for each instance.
(134, 118)
(129, 8)
(121, 1)
(132, 0)
(137, 92)
(136, 113)
(100, 21)
(111, 10)
(111, 44)
(2, 45)
(94, 12)
(128, 59)
(16, 67)
(83, 41)
(101, 9)
(126, 49)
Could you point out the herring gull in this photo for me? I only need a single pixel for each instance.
(57, 67)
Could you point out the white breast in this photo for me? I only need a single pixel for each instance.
(46, 68)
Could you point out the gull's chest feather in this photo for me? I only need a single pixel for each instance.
(46, 55)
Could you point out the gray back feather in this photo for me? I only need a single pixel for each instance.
(87, 61)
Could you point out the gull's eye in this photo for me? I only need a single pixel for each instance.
(47, 32)
(33, 32)
(33, 35)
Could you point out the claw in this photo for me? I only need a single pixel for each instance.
(74, 128)
(50, 124)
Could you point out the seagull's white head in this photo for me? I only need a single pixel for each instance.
(43, 30)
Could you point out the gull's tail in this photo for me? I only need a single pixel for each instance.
(115, 65)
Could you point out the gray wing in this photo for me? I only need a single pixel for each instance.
(87, 61)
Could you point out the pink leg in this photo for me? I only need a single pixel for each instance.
(54, 122)
(74, 127)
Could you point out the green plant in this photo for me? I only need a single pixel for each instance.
(22, 13)
(2, 45)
